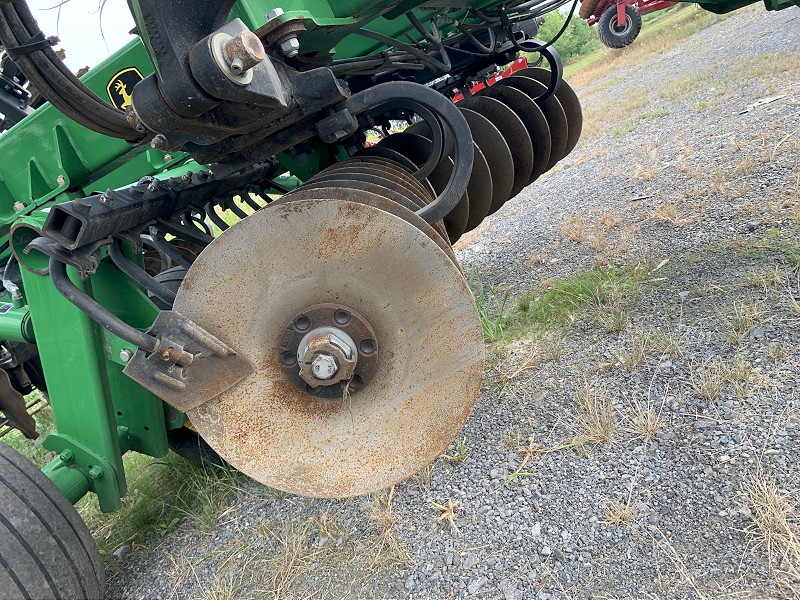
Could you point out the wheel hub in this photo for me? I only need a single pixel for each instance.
(326, 347)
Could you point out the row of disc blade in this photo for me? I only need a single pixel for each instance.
(517, 138)
(380, 181)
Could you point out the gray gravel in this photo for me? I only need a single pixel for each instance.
(733, 181)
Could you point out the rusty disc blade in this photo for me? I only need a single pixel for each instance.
(402, 180)
(497, 154)
(569, 102)
(418, 148)
(533, 118)
(431, 360)
(479, 187)
(419, 192)
(379, 197)
(553, 112)
(513, 130)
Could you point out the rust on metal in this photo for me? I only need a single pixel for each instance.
(329, 250)
(246, 47)
(334, 316)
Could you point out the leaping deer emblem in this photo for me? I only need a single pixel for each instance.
(122, 89)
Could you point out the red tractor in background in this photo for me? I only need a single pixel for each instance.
(619, 21)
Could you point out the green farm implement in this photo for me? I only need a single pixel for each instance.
(233, 238)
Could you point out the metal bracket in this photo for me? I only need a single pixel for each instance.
(214, 368)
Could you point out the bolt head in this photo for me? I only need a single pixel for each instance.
(60, 180)
(125, 354)
(324, 366)
(19, 206)
(274, 14)
(290, 47)
(167, 157)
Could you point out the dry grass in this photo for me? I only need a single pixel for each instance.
(641, 417)
(668, 213)
(768, 279)
(774, 526)
(294, 555)
(633, 355)
(742, 377)
(575, 228)
(646, 173)
(686, 577)
(719, 181)
(707, 381)
(675, 89)
(778, 352)
(448, 513)
(610, 219)
(386, 548)
(666, 341)
(595, 417)
(742, 317)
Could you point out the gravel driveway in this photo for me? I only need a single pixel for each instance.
(698, 199)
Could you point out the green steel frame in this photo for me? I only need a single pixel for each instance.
(100, 413)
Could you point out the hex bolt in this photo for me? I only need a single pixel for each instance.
(95, 473)
(290, 47)
(60, 180)
(125, 354)
(324, 366)
(167, 158)
(107, 198)
(274, 14)
(159, 142)
(243, 52)
(19, 206)
(66, 456)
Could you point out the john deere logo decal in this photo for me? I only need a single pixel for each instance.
(120, 87)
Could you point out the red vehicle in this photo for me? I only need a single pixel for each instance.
(619, 21)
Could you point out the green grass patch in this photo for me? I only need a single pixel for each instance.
(609, 292)
(163, 495)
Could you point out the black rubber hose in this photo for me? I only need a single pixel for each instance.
(52, 65)
(54, 81)
(72, 89)
(443, 66)
(90, 306)
(132, 270)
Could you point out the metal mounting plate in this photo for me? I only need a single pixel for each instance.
(215, 368)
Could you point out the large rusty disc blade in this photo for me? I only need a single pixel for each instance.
(255, 277)
(569, 102)
(553, 112)
(533, 118)
(512, 128)
(497, 154)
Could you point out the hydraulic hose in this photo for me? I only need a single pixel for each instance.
(90, 306)
(27, 46)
